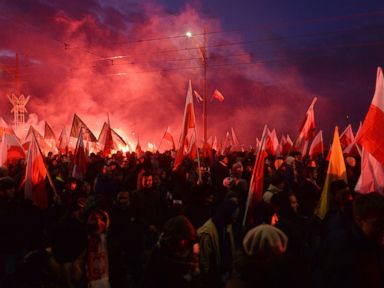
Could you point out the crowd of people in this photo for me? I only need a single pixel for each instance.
(133, 221)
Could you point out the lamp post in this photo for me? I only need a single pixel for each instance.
(203, 53)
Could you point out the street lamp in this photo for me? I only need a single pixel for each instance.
(203, 54)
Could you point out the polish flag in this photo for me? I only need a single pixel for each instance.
(35, 175)
(80, 159)
(257, 180)
(10, 149)
(218, 96)
(307, 129)
(372, 175)
(317, 146)
(371, 135)
(188, 123)
(346, 138)
(168, 136)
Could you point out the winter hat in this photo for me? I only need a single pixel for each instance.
(265, 240)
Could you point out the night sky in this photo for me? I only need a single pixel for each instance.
(268, 59)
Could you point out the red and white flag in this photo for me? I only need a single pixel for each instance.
(317, 146)
(372, 175)
(235, 140)
(10, 149)
(35, 175)
(271, 142)
(188, 123)
(347, 137)
(77, 125)
(256, 188)
(371, 135)
(48, 132)
(80, 159)
(217, 95)
(168, 136)
(4, 128)
(353, 149)
(307, 129)
(63, 141)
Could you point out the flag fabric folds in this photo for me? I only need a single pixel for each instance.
(347, 137)
(307, 129)
(79, 159)
(35, 175)
(317, 146)
(188, 123)
(372, 175)
(77, 125)
(48, 132)
(371, 135)
(336, 171)
(10, 149)
(255, 191)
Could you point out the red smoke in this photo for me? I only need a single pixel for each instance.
(69, 64)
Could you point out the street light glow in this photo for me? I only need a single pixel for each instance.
(188, 34)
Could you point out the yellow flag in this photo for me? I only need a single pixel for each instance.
(336, 171)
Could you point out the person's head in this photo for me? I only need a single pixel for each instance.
(237, 169)
(277, 180)
(368, 212)
(227, 212)
(147, 181)
(287, 203)
(178, 234)
(123, 199)
(98, 222)
(69, 241)
(350, 161)
(265, 241)
(340, 193)
(7, 187)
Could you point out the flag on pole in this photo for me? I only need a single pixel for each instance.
(10, 149)
(317, 146)
(346, 138)
(80, 159)
(63, 141)
(372, 175)
(371, 135)
(77, 125)
(336, 171)
(271, 142)
(48, 132)
(4, 128)
(35, 174)
(188, 123)
(168, 136)
(235, 140)
(217, 95)
(307, 129)
(353, 149)
(255, 192)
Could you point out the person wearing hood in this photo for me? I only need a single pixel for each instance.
(217, 245)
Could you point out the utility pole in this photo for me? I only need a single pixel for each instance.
(205, 65)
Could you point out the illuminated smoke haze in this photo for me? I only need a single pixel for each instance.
(70, 63)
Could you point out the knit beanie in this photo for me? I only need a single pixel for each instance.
(265, 240)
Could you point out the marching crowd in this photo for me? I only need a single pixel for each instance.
(133, 221)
